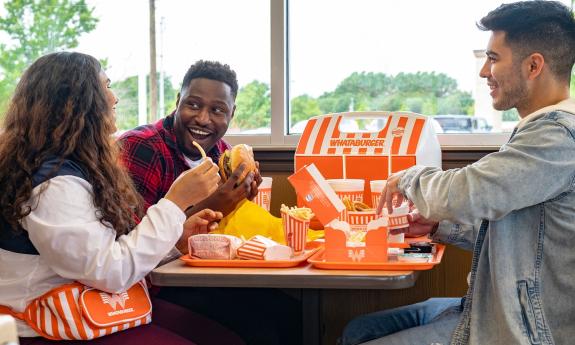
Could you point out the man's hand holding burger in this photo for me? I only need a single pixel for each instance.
(240, 177)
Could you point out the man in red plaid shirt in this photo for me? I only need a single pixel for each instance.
(156, 154)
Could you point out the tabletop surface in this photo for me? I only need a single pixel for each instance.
(177, 273)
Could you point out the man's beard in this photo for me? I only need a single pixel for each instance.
(510, 98)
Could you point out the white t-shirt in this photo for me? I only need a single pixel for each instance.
(192, 163)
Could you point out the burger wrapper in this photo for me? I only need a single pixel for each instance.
(261, 248)
(213, 246)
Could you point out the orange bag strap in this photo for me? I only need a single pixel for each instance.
(6, 310)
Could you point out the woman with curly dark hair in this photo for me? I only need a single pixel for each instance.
(74, 241)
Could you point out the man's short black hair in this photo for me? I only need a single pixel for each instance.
(211, 70)
(545, 27)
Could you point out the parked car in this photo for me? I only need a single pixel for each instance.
(463, 124)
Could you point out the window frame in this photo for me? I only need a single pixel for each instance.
(279, 94)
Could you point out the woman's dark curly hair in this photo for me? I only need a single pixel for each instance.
(60, 110)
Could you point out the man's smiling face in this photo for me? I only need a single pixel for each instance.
(203, 114)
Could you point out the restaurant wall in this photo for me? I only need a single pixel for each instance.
(338, 306)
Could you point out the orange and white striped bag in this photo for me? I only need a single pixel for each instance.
(75, 311)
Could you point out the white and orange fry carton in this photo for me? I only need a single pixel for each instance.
(295, 221)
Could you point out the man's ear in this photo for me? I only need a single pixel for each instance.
(177, 99)
(233, 111)
(535, 63)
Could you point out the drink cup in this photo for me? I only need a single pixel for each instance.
(264, 197)
(351, 188)
(376, 187)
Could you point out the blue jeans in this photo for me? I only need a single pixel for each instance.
(434, 319)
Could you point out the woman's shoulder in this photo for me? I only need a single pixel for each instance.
(54, 167)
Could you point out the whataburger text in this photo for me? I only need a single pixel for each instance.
(357, 142)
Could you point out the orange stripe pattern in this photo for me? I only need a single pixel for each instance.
(59, 315)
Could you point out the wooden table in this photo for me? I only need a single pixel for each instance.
(305, 277)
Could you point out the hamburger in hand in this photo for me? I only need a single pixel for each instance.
(231, 159)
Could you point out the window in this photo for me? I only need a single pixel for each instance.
(232, 32)
(295, 59)
(370, 55)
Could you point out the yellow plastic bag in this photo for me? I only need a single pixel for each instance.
(250, 219)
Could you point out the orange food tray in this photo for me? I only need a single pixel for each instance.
(318, 261)
(295, 261)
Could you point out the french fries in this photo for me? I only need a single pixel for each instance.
(355, 205)
(302, 213)
(357, 236)
(348, 203)
(200, 148)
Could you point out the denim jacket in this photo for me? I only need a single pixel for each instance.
(516, 209)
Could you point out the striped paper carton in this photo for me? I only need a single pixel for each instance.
(295, 232)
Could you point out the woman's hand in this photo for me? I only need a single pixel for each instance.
(194, 185)
(199, 223)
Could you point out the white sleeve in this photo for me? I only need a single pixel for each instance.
(69, 237)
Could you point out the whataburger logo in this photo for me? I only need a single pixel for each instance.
(357, 142)
(113, 299)
(397, 132)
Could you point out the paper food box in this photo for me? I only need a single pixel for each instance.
(318, 195)
(398, 141)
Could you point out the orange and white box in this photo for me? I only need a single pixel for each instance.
(263, 248)
(264, 197)
(399, 141)
(338, 249)
(316, 193)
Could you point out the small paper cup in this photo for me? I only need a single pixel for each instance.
(358, 220)
(398, 219)
(264, 197)
(295, 232)
(376, 187)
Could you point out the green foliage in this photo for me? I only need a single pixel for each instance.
(253, 106)
(35, 28)
(427, 93)
(303, 107)
(422, 92)
(127, 92)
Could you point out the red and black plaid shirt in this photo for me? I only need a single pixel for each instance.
(153, 159)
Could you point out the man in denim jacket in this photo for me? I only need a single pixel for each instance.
(515, 207)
